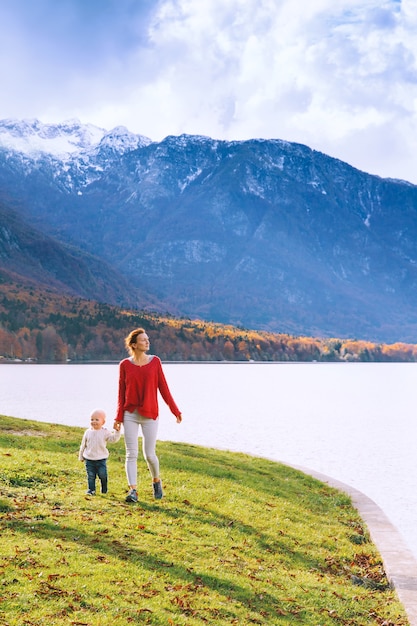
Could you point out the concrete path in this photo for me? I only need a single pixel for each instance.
(399, 562)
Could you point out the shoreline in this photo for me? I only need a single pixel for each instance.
(399, 562)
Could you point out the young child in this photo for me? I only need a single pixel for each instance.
(93, 450)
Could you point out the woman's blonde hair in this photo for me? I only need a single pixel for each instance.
(132, 338)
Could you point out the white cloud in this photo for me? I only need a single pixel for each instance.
(339, 77)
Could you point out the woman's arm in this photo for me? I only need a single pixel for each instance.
(166, 394)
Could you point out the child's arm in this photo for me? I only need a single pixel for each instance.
(82, 447)
(113, 436)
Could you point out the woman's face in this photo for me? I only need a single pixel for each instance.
(142, 343)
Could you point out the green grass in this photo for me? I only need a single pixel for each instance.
(236, 540)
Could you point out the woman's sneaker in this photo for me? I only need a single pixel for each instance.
(132, 496)
(157, 490)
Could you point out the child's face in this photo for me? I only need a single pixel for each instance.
(97, 421)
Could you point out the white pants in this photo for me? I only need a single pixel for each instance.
(131, 423)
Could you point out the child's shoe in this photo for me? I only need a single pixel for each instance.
(157, 490)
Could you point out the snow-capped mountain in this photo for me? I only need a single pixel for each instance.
(121, 140)
(71, 138)
(259, 233)
(70, 151)
(31, 137)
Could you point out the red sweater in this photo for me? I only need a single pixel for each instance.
(138, 389)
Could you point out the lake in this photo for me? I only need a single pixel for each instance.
(355, 422)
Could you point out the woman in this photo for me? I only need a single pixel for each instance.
(140, 377)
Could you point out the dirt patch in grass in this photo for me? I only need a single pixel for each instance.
(28, 433)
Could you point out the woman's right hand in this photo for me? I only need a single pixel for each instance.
(117, 426)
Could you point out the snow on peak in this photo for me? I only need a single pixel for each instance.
(120, 139)
(65, 140)
(33, 137)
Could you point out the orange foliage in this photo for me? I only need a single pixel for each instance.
(46, 326)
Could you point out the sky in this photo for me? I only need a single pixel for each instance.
(338, 76)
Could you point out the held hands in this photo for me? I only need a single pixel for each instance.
(179, 418)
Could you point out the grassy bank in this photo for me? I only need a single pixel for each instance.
(236, 540)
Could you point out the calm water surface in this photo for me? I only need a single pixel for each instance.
(355, 422)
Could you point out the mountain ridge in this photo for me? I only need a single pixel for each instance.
(34, 258)
(260, 233)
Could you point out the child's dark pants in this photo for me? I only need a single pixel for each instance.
(94, 469)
